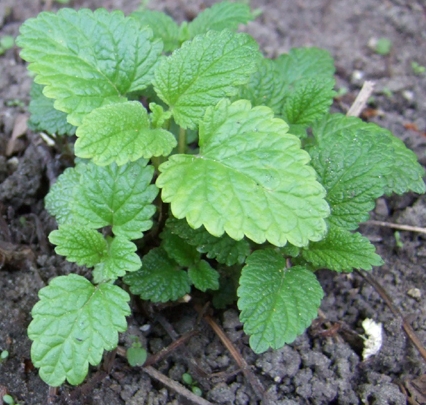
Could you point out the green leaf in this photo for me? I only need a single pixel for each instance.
(342, 250)
(407, 174)
(118, 260)
(88, 59)
(178, 249)
(277, 303)
(204, 276)
(160, 279)
(163, 26)
(305, 63)
(119, 196)
(359, 162)
(203, 71)
(266, 86)
(309, 101)
(223, 15)
(120, 133)
(73, 323)
(84, 246)
(158, 116)
(352, 161)
(250, 179)
(44, 117)
(58, 201)
(224, 249)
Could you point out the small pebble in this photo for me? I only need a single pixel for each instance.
(414, 293)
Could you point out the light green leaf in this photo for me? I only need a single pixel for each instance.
(158, 116)
(204, 276)
(118, 260)
(224, 249)
(359, 162)
(163, 26)
(119, 196)
(84, 246)
(309, 101)
(178, 249)
(250, 179)
(120, 133)
(160, 279)
(277, 303)
(73, 323)
(223, 15)
(203, 71)
(305, 63)
(352, 162)
(80, 71)
(58, 200)
(266, 86)
(342, 250)
(44, 117)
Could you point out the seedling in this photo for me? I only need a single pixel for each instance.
(8, 399)
(6, 42)
(417, 68)
(188, 380)
(136, 354)
(260, 184)
(4, 355)
(383, 46)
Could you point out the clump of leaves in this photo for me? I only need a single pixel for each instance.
(260, 184)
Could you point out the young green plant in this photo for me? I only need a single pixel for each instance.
(260, 184)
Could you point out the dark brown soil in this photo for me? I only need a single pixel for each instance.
(317, 368)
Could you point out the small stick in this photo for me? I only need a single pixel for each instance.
(175, 386)
(406, 326)
(361, 99)
(397, 226)
(242, 364)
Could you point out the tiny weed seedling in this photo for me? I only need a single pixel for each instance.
(260, 184)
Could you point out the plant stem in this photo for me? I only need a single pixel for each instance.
(397, 226)
(182, 140)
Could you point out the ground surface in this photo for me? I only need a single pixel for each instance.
(315, 369)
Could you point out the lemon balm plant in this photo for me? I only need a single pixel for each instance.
(219, 163)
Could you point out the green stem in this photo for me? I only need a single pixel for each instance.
(182, 140)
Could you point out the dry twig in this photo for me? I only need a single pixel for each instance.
(361, 99)
(397, 226)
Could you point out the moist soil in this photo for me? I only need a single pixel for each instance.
(325, 364)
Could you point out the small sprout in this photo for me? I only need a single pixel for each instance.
(6, 42)
(373, 342)
(417, 68)
(136, 355)
(197, 391)
(398, 240)
(187, 379)
(8, 399)
(4, 355)
(341, 92)
(383, 46)
(387, 92)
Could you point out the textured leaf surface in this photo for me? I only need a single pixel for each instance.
(204, 276)
(352, 163)
(120, 133)
(73, 323)
(250, 178)
(80, 71)
(44, 117)
(203, 71)
(277, 303)
(163, 26)
(220, 16)
(342, 250)
(119, 196)
(118, 260)
(160, 279)
(304, 63)
(359, 162)
(59, 199)
(309, 101)
(84, 246)
(266, 86)
(178, 249)
(224, 249)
